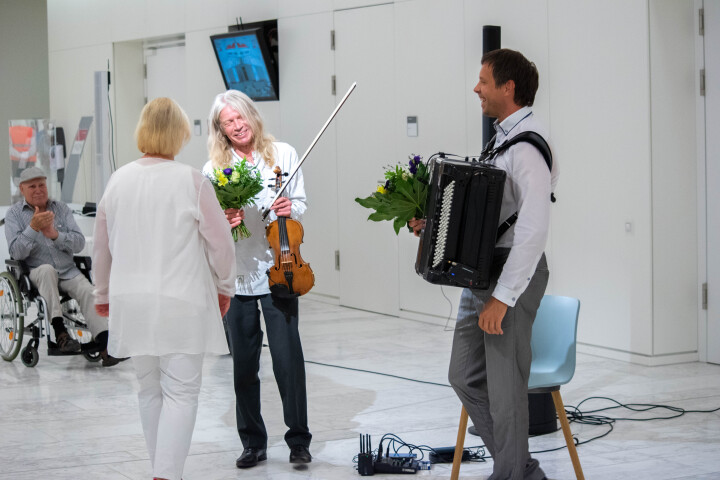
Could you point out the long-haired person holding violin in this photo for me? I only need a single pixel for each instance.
(237, 132)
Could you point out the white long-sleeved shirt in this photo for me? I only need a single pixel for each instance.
(162, 252)
(254, 255)
(527, 191)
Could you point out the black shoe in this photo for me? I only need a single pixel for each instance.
(473, 431)
(66, 344)
(108, 360)
(250, 457)
(300, 454)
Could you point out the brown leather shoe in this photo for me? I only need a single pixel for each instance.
(108, 360)
(67, 344)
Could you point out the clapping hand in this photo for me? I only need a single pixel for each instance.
(44, 222)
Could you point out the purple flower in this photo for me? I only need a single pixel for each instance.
(227, 171)
(414, 162)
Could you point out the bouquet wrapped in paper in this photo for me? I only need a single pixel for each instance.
(402, 197)
(236, 187)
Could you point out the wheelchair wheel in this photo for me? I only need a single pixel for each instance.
(29, 356)
(11, 317)
(92, 357)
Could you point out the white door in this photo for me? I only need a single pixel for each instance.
(306, 102)
(166, 74)
(712, 159)
(364, 49)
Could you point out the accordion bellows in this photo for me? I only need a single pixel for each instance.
(463, 213)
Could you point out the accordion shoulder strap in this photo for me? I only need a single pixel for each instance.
(534, 139)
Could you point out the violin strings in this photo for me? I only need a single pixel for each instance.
(285, 247)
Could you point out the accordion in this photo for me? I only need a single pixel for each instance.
(463, 212)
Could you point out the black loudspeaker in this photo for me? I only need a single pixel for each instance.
(491, 41)
(60, 140)
(543, 418)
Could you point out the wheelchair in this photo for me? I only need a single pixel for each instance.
(17, 295)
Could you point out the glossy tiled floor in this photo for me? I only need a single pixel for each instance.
(70, 419)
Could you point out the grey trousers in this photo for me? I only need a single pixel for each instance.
(490, 374)
(45, 279)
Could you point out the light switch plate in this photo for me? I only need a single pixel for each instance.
(412, 126)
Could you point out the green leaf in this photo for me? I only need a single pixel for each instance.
(406, 189)
(398, 224)
(370, 202)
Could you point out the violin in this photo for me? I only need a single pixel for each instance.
(290, 277)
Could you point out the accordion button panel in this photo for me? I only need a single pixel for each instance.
(444, 223)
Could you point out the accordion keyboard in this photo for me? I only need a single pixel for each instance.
(444, 223)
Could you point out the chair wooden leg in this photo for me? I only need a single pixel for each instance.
(560, 408)
(460, 445)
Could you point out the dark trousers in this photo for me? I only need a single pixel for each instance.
(245, 339)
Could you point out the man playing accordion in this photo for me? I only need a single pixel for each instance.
(491, 354)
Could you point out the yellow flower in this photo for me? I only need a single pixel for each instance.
(381, 189)
(222, 180)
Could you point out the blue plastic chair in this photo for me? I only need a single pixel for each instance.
(553, 345)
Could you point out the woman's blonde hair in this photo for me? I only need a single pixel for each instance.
(219, 146)
(163, 129)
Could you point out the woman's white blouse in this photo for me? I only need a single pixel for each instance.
(162, 253)
(254, 255)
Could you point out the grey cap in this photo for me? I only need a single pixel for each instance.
(31, 173)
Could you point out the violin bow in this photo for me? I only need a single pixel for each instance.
(266, 212)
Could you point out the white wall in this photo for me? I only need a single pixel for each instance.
(23, 73)
(128, 85)
(600, 114)
(613, 90)
(435, 87)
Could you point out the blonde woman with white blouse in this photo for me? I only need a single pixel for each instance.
(164, 266)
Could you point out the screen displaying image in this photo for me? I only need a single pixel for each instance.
(245, 64)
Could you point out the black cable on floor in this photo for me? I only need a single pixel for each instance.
(574, 414)
(377, 373)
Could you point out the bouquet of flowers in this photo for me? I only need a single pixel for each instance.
(403, 196)
(236, 187)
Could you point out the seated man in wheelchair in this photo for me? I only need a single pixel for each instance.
(43, 233)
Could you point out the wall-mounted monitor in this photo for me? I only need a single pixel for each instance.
(247, 64)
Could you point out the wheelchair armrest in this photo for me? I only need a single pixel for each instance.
(21, 272)
(17, 267)
(84, 264)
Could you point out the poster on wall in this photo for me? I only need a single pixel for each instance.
(32, 143)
